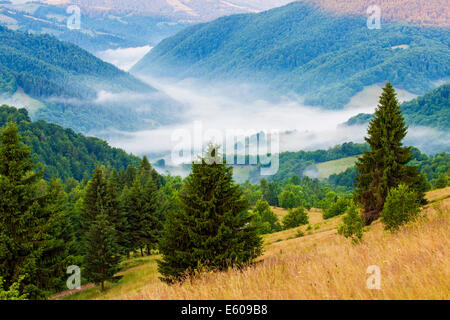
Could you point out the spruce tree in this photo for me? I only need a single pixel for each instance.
(95, 198)
(384, 166)
(212, 229)
(102, 254)
(116, 214)
(151, 216)
(101, 251)
(21, 205)
(144, 170)
(58, 247)
(35, 234)
(133, 206)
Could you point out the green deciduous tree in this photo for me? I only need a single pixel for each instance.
(266, 220)
(336, 208)
(442, 181)
(295, 217)
(402, 205)
(291, 196)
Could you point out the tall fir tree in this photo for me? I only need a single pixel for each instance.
(384, 166)
(103, 254)
(117, 216)
(144, 170)
(213, 229)
(101, 251)
(132, 206)
(151, 216)
(33, 240)
(20, 206)
(58, 249)
(95, 198)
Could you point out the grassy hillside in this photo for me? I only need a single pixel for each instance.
(326, 169)
(300, 49)
(305, 163)
(321, 265)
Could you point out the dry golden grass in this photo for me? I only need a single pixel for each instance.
(439, 194)
(316, 221)
(414, 264)
(279, 212)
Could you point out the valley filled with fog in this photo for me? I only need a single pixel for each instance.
(236, 106)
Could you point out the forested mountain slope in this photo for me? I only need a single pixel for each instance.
(62, 152)
(301, 49)
(75, 88)
(430, 110)
(430, 12)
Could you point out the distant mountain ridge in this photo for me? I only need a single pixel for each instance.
(430, 12)
(190, 10)
(96, 33)
(307, 51)
(416, 11)
(73, 88)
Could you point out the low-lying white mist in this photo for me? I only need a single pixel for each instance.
(124, 58)
(227, 108)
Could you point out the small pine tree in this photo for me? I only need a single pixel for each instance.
(213, 229)
(402, 205)
(102, 254)
(353, 224)
(384, 166)
(295, 217)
